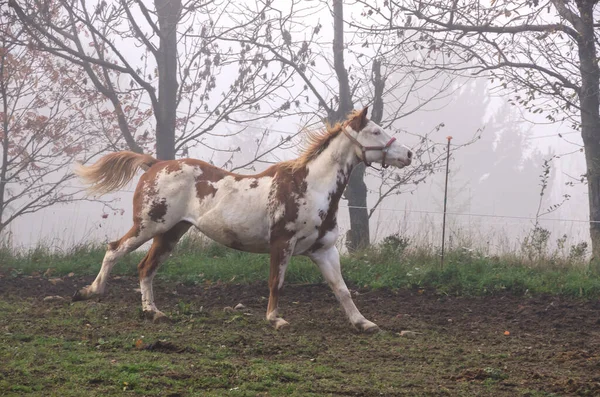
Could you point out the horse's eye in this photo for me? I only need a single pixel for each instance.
(376, 132)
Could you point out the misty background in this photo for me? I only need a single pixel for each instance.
(494, 182)
(494, 192)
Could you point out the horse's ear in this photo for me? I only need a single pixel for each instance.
(359, 121)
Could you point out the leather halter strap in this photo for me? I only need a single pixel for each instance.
(364, 149)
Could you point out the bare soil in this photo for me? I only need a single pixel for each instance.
(501, 345)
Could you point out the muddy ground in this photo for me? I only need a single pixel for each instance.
(500, 345)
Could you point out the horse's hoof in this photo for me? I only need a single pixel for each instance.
(78, 296)
(279, 324)
(160, 318)
(371, 330)
(367, 327)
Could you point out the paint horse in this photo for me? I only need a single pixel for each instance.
(288, 209)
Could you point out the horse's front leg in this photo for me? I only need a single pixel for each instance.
(328, 260)
(281, 251)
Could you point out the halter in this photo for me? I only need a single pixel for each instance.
(384, 149)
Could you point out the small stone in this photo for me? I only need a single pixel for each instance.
(228, 309)
(409, 334)
(239, 306)
(55, 280)
(54, 298)
(70, 274)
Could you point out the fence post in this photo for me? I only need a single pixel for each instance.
(445, 199)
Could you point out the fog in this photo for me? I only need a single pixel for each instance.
(492, 203)
(494, 174)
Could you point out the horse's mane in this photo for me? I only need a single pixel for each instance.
(316, 142)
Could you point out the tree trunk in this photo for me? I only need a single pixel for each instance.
(5, 132)
(168, 15)
(356, 191)
(590, 119)
(359, 234)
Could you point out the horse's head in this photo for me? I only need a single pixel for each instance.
(373, 144)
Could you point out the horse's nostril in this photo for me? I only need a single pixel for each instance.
(409, 154)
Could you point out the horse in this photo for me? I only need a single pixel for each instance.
(288, 209)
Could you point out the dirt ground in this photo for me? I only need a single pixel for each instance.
(500, 345)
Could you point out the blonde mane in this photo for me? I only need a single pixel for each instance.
(316, 142)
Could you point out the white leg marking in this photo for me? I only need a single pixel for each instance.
(328, 261)
(146, 284)
(147, 294)
(110, 259)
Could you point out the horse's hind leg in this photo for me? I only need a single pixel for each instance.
(117, 249)
(161, 249)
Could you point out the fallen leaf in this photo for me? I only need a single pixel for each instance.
(54, 298)
(55, 280)
(409, 334)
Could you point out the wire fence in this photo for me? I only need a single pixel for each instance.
(400, 210)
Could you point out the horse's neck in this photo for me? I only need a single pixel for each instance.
(332, 168)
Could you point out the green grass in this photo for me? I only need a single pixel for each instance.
(465, 272)
(90, 349)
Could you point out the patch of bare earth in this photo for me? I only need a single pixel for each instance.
(500, 345)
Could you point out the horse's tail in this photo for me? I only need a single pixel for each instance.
(113, 171)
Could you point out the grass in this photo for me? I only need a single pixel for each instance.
(101, 348)
(390, 265)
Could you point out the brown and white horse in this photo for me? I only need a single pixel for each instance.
(288, 209)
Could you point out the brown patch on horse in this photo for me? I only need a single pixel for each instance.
(162, 245)
(214, 174)
(329, 217)
(279, 254)
(133, 232)
(210, 173)
(204, 189)
(146, 190)
(158, 210)
(358, 120)
(172, 166)
(288, 188)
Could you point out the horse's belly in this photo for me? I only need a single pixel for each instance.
(249, 232)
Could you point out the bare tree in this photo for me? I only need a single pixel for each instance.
(542, 53)
(164, 59)
(335, 76)
(42, 128)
